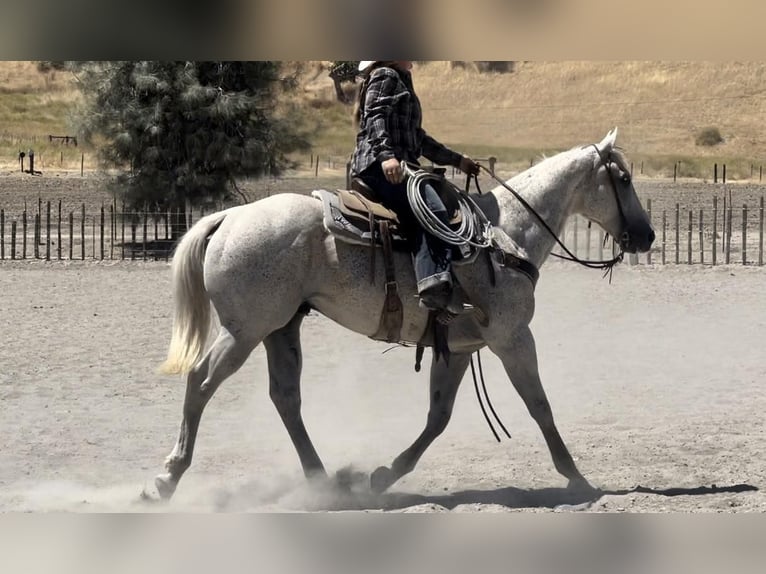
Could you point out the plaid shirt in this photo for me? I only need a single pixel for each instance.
(390, 124)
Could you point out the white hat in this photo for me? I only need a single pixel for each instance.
(364, 64)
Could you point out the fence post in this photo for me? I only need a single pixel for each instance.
(122, 233)
(760, 234)
(13, 239)
(723, 225)
(723, 179)
(729, 228)
(678, 232)
(24, 234)
(689, 245)
(664, 229)
(715, 173)
(71, 235)
(58, 236)
(715, 226)
(587, 241)
(702, 248)
(112, 220)
(37, 236)
(144, 235)
(727, 241)
(2, 234)
(649, 212)
(744, 234)
(82, 233)
(132, 238)
(48, 230)
(101, 232)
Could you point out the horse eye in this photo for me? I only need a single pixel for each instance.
(626, 177)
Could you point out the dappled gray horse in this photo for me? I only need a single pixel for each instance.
(262, 265)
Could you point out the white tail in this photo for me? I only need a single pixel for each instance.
(191, 317)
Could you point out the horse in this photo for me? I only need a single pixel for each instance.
(262, 266)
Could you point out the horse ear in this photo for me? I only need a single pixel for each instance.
(607, 143)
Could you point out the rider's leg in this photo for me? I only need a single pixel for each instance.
(433, 256)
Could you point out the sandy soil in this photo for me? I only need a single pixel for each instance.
(655, 380)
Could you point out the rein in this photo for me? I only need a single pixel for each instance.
(606, 265)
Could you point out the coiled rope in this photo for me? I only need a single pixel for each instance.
(474, 229)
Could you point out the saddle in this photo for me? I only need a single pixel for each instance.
(356, 216)
(352, 214)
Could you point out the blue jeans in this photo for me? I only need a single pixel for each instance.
(431, 256)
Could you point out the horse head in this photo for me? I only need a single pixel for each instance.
(613, 202)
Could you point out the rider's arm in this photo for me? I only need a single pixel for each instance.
(438, 152)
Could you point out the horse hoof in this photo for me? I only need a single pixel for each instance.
(381, 479)
(165, 485)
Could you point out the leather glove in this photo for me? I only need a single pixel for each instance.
(467, 165)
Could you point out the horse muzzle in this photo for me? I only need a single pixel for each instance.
(637, 241)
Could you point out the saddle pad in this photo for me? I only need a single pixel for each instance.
(353, 229)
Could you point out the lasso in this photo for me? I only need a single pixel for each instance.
(474, 230)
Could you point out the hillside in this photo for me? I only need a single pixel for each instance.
(541, 106)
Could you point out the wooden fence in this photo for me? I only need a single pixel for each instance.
(719, 232)
(107, 234)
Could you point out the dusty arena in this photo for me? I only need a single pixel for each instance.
(656, 383)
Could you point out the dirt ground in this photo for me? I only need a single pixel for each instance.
(656, 382)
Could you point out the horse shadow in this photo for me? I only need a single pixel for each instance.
(551, 498)
(350, 491)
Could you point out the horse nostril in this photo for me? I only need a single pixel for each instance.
(652, 236)
(625, 238)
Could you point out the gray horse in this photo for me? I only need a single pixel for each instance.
(263, 264)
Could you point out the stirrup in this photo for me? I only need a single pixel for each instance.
(453, 307)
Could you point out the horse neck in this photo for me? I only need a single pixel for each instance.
(550, 188)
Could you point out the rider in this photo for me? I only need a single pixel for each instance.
(388, 117)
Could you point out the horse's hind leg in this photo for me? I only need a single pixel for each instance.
(283, 350)
(226, 355)
(445, 381)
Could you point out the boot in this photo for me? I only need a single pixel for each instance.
(443, 298)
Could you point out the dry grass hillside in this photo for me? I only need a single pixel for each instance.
(660, 107)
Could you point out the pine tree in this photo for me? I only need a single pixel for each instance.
(183, 132)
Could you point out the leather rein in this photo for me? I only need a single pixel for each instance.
(607, 264)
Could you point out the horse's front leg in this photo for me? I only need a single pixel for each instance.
(519, 358)
(445, 381)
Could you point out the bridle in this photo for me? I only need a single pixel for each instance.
(607, 264)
